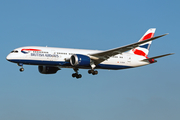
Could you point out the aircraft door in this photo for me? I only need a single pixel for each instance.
(128, 59)
(54, 55)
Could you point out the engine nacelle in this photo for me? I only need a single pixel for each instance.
(80, 60)
(47, 69)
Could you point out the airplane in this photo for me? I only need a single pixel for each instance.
(51, 59)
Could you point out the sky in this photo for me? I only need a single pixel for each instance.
(145, 93)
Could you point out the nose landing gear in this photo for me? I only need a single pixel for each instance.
(21, 69)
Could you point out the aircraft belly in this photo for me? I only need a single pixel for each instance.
(40, 62)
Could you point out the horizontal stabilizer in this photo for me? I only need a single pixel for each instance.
(157, 57)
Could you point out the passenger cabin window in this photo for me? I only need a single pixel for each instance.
(40, 52)
(61, 53)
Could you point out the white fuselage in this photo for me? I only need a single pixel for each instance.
(51, 56)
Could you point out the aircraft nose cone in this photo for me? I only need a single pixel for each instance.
(8, 57)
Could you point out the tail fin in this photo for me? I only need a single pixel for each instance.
(143, 49)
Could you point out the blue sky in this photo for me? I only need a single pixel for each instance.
(148, 92)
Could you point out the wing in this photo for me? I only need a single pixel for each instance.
(102, 56)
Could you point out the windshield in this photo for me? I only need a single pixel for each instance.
(14, 51)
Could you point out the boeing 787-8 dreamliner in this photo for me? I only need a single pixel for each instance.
(50, 59)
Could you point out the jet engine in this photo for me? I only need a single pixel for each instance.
(80, 60)
(47, 69)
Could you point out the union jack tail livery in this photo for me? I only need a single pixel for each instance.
(143, 49)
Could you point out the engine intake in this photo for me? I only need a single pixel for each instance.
(80, 60)
(47, 69)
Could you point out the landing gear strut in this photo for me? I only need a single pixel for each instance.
(76, 74)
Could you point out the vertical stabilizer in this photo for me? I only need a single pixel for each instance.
(143, 49)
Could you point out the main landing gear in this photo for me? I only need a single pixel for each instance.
(76, 74)
(93, 72)
(21, 69)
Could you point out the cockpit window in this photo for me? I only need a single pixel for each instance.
(14, 51)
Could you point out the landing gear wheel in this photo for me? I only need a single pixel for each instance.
(92, 72)
(76, 75)
(21, 69)
(95, 73)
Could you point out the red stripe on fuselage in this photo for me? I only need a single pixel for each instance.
(30, 50)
